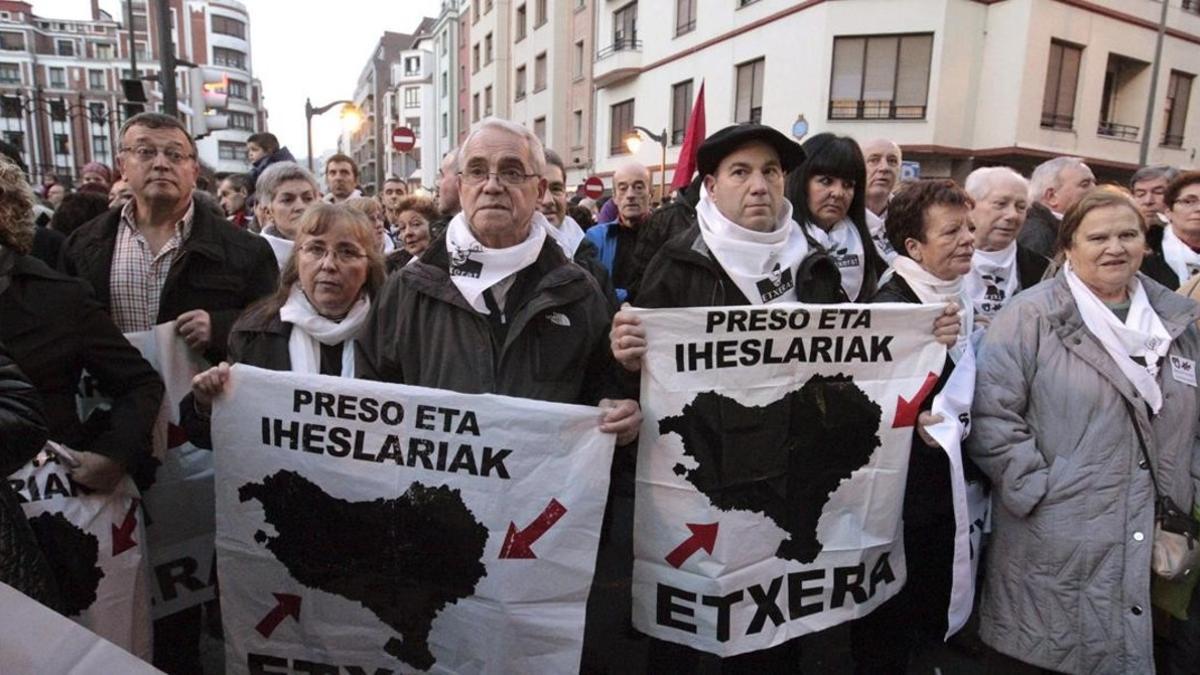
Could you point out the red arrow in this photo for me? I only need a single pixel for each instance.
(287, 604)
(176, 436)
(907, 410)
(122, 536)
(517, 543)
(703, 537)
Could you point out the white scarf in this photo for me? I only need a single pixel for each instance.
(1180, 257)
(474, 268)
(328, 197)
(310, 328)
(569, 235)
(876, 226)
(993, 279)
(843, 243)
(1141, 335)
(932, 290)
(761, 264)
(282, 248)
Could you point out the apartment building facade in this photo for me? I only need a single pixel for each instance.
(958, 83)
(61, 100)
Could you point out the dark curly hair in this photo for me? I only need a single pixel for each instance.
(906, 212)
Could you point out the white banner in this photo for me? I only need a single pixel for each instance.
(379, 526)
(36, 640)
(96, 546)
(179, 505)
(771, 467)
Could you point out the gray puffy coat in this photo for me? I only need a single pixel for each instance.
(1067, 583)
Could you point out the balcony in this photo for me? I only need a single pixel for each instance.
(1173, 140)
(1125, 132)
(617, 62)
(1055, 121)
(847, 109)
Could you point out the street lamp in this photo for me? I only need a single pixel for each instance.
(352, 117)
(634, 141)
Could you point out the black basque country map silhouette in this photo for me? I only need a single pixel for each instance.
(403, 559)
(783, 460)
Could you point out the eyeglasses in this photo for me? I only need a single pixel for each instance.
(147, 153)
(508, 176)
(1188, 202)
(342, 254)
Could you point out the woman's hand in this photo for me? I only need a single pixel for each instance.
(628, 338)
(208, 385)
(622, 417)
(928, 419)
(945, 327)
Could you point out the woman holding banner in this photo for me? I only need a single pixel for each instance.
(929, 225)
(310, 324)
(1085, 418)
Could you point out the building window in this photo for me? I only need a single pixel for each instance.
(240, 120)
(445, 124)
(580, 55)
(462, 118)
(16, 138)
(475, 107)
(58, 78)
(100, 144)
(412, 97)
(1192, 6)
(487, 101)
(232, 151)
(62, 144)
(685, 16)
(412, 66)
(105, 52)
(748, 101)
(462, 77)
(58, 111)
(230, 58)
(474, 11)
(139, 22)
(519, 84)
(1116, 99)
(1179, 90)
(95, 79)
(445, 82)
(12, 41)
(539, 72)
(539, 129)
(620, 125)
(236, 89)
(66, 48)
(577, 128)
(681, 109)
(1062, 78)
(880, 77)
(539, 12)
(224, 25)
(96, 113)
(487, 49)
(10, 107)
(475, 58)
(625, 27)
(10, 73)
(520, 23)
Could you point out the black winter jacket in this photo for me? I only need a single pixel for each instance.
(1031, 267)
(662, 226)
(1154, 265)
(1040, 232)
(221, 270)
(422, 331)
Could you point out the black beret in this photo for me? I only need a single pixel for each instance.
(724, 142)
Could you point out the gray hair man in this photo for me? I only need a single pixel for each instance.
(883, 158)
(494, 279)
(1149, 188)
(617, 239)
(1056, 186)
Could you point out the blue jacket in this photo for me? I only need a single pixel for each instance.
(604, 237)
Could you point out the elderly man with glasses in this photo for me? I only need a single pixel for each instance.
(163, 256)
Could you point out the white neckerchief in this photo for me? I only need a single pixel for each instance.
(281, 247)
(876, 226)
(932, 290)
(310, 328)
(1180, 257)
(993, 279)
(843, 243)
(569, 235)
(328, 197)
(474, 268)
(1141, 335)
(761, 264)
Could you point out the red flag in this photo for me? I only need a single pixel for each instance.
(685, 166)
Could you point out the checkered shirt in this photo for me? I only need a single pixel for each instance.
(139, 274)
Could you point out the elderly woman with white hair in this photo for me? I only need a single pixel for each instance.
(1000, 267)
(287, 189)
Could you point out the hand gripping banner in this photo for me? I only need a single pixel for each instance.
(771, 467)
(380, 526)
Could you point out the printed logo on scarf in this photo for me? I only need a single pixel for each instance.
(461, 264)
(843, 259)
(776, 285)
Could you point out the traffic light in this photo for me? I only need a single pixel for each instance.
(210, 89)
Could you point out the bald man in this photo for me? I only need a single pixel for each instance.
(617, 239)
(883, 175)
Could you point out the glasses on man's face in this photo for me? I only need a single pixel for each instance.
(343, 254)
(509, 176)
(147, 153)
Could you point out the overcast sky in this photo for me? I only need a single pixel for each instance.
(298, 52)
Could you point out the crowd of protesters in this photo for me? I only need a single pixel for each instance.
(1083, 425)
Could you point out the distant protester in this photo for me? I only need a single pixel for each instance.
(77, 209)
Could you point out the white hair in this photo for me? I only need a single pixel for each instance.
(279, 173)
(982, 181)
(536, 152)
(1048, 175)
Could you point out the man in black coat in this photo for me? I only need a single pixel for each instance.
(164, 256)
(1055, 186)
